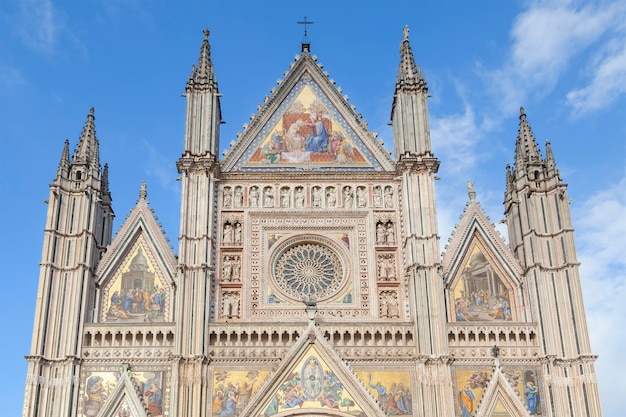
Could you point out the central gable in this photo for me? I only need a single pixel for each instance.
(307, 125)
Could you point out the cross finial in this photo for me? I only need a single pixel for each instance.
(305, 41)
(406, 32)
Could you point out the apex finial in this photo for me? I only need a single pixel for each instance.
(306, 45)
(522, 113)
(406, 31)
(91, 111)
(206, 32)
(470, 191)
(143, 191)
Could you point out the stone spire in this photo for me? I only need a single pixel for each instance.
(104, 184)
(551, 169)
(64, 163)
(526, 149)
(409, 110)
(203, 74)
(87, 149)
(409, 74)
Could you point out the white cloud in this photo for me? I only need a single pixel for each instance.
(601, 239)
(38, 24)
(160, 167)
(607, 84)
(455, 138)
(546, 37)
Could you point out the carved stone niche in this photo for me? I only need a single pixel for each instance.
(232, 231)
(385, 232)
(231, 268)
(386, 267)
(230, 304)
(388, 304)
(227, 197)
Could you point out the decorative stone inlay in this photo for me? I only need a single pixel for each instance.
(308, 269)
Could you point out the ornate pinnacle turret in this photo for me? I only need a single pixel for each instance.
(87, 149)
(409, 74)
(104, 185)
(550, 162)
(64, 163)
(203, 73)
(526, 149)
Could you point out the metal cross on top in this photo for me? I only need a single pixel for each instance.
(305, 41)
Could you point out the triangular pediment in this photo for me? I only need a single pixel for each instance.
(312, 380)
(307, 124)
(136, 276)
(481, 275)
(124, 400)
(500, 399)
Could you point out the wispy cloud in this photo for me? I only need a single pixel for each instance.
(10, 78)
(607, 84)
(601, 239)
(38, 24)
(546, 38)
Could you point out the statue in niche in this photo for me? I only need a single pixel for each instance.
(238, 198)
(380, 233)
(390, 234)
(253, 197)
(348, 197)
(230, 304)
(388, 304)
(268, 197)
(236, 269)
(317, 196)
(228, 198)
(238, 229)
(393, 310)
(388, 196)
(285, 197)
(331, 197)
(227, 236)
(386, 267)
(361, 197)
(378, 196)
(227, 269)
(299, 197)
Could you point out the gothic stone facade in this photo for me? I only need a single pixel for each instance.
(309, 279)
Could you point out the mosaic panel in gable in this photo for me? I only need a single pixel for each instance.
(471, 385)
(307, 130)
(138, 291)
(392, 389)
(480, 291)
(98, 382)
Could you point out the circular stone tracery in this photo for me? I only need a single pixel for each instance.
(308, 270)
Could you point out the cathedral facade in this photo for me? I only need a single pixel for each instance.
(309, 279)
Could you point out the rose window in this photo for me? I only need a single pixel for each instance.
(308, 270)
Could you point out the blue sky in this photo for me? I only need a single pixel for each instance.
(565, 62)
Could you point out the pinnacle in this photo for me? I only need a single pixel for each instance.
(409, 74)
(203, 72)
(87, 151)
(64, 163)
(143, 191)
(526, 149)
